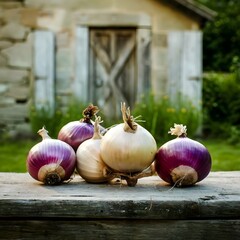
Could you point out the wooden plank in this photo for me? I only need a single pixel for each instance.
(216, 197)
(112, 69)
(185, 65)
(143, 61)
(80, 85)
(112, 19)
(116, 229)
(44, 73)
(192, 66)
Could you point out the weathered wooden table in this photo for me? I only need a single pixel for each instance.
(150, 210)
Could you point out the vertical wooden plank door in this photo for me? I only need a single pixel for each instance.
(113, 71)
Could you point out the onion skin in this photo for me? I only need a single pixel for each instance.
(90, 165)
(128, 152)
(128, 148)
(51, 161)
(76, 132)
(182, 153)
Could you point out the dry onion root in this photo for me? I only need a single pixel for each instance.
(128, 149)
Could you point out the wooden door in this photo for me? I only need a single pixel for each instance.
(112, 69)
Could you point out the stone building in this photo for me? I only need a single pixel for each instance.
(103, 52)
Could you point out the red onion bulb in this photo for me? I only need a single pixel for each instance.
(76, 132)
(182, 161)
(51, 161)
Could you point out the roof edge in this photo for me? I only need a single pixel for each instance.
(198, 8)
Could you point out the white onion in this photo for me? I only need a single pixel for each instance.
(89, 163)
(128, 148)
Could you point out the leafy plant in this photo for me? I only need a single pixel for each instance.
(221, 104)
(54, 120)
(159, 114)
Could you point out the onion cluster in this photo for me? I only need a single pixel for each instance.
(127, 151)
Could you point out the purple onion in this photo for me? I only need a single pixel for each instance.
(51, 161)
(182, 161)
(76, 132)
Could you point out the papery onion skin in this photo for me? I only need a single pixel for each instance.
(51, 156)
(89, 163)
(182, 151)
(128, 152)
(75, 132)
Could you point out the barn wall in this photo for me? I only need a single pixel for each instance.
(20, 19)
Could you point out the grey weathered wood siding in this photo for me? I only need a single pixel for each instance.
(185, 65)
(44, 70)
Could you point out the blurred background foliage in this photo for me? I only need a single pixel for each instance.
(220, 115)
(221, 37)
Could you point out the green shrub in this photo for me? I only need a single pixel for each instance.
(53, 121)
(159, 115)
(221, 105)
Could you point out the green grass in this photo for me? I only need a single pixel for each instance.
(225, 157)
(13, 155)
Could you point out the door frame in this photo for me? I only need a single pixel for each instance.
(84, 21)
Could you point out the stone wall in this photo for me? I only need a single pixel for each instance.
(20, 18)
(15, 68)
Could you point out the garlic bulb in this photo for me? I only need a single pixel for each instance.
(89, 162)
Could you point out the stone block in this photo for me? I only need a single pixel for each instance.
(19, 92)
(14, 114)
(29, 17)
(20, 54)
(5, 44)
(70, 5)
(13, 30)
(10, 4)
(3, 88)
(6, 101)
(11, 15)
(3, 60)
(8, 75)
(52, 19)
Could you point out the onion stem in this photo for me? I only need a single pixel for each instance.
(44, 133)
(129, 124)
(96, 133)
(88, 113)
(178, 130)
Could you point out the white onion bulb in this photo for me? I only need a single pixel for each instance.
(89, 162)
(128, 147)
